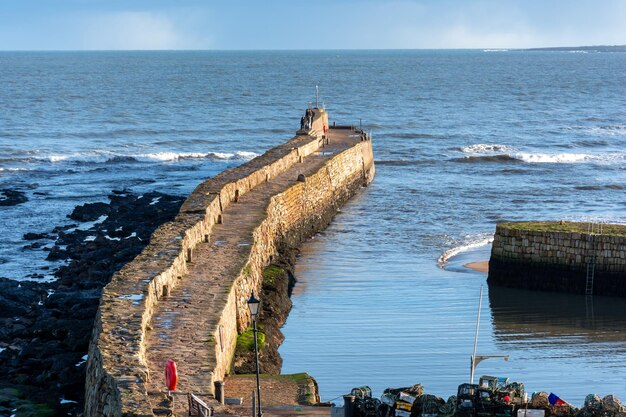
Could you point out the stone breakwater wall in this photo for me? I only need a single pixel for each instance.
(117, 368)
(557, 261)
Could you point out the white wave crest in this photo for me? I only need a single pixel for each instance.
(562, 158)
(491, 150)
(179, 156)
(485, 148)
(604, 130)
(469, 243)
(568, 158)
(168, 156)
(610, 130)
(246, 155)
(14, 169)
(57, 158)
(88, 157)
(101, 156)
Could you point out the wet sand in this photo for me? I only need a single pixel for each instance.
(480, 266)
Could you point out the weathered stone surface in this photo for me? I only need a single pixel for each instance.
(557, 261)
(263, 218)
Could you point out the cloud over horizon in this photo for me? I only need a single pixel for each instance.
(137, 31)
(338, 24)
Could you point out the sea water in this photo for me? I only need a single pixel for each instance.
(462, 140)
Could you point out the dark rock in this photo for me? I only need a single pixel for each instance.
(90, 212)
(35, 245)
(36, 236)
(45, 327)
(12, 197)
(16, 298)
(59, 229)
(56, 253)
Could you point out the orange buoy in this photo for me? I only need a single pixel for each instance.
(171, 375)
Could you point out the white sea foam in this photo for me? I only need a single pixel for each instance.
(495, 50)
(568, 158)
(134, 234)
(604, 130)
(482, 148)
(88, 225)
(469, 243)
(82, 360)
(64, 401)
(169, 156)
(102, 156)
(496, 152)
(246, 155)
(177, 156)
(611, 130)
(14, 169)
(57, 158)
(561, 158)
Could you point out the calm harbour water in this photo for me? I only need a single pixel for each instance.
(462, 139)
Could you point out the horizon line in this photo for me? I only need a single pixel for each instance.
(314, 49)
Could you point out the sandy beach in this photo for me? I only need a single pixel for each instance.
(480, 266)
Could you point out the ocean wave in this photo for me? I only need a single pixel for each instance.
(599, 187)
(486, 158)
(591, 143)
(107, 157)
(121, 159)
(14, 169)
(561, 158)
(495, 50)
(545, 158)
(467, 244)
(612, 130)
(414, 136)
(606, 130)
(404, 162)
(485, 148)
(174, 156)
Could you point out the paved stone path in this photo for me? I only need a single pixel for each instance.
(183, 321)
(246, 411)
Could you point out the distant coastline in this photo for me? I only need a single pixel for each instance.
(596, 48)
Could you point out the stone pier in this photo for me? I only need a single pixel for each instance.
(184, 297)
(555, 256)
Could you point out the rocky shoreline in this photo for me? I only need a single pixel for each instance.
(45, 327)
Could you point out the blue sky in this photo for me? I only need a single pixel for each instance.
(321, 24)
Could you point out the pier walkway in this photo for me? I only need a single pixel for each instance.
(183, 321)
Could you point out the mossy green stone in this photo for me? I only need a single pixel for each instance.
(271, 273)
(245, 341)
(566, 227)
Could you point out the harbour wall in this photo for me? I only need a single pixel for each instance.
(117, 369)
(557, 261)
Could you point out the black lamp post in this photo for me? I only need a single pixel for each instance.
(254, 304)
